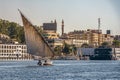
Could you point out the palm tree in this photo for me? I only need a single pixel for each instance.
(116, 43)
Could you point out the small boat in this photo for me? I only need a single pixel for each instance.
(45, 62)
(36, 44)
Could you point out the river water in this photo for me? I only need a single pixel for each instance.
(61, 70)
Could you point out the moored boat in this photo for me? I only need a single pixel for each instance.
(102, 54)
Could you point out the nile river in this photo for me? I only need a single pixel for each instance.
(61, 70)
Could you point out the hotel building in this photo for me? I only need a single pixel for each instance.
(14, 52)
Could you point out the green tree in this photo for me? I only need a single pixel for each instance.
(105, 44)
(13, 30)
(20, 35)
(58, 50)
(66, 48)
(116, 43)
(73, 49)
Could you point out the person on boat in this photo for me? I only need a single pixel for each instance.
(39, 62)
(45, 61)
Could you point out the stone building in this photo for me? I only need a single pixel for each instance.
(91, 35)
(50, 30)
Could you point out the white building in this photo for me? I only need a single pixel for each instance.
(85, 51)
(58, 42)
(14, 52)
(76, 42)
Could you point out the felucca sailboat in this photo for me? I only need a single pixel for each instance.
(36, 44)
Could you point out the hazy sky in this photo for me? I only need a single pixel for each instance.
(77, 14)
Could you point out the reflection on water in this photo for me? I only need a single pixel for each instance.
(61, 70)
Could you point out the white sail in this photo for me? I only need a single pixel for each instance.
(36, 44)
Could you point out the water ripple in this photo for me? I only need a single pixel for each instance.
(61, 70)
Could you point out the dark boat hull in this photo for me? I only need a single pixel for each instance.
(102, 54)
(103, 57)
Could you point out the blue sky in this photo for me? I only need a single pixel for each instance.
(77, 14)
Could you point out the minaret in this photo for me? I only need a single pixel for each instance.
(99, 25)
(55, 25)
(62, 27)
(55, 21)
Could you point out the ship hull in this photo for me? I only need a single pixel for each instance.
(102, 54)
(101, 57)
